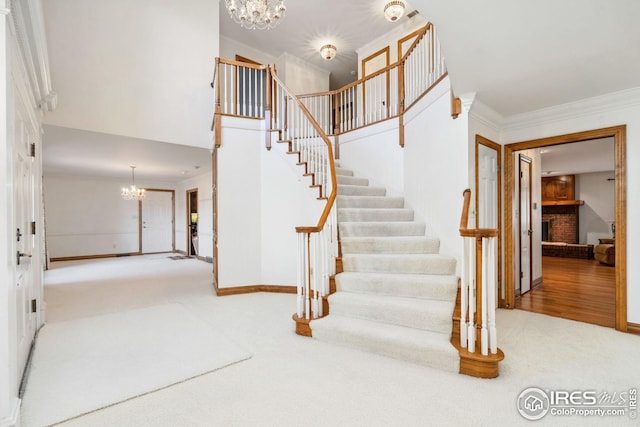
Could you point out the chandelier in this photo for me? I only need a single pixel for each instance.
(133, 192)
(328, 51)
(394, 10)
(256, 14)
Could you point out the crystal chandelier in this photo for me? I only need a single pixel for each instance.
(328, 51)
(133, 192)
(256, 14)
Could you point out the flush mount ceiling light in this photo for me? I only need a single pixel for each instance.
(256, 14)
(328, 51)
(394, 10)
(133, 192)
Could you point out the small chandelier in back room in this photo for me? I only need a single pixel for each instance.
(133, 192)
(256, 14)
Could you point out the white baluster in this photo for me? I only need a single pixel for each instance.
(491, 296)
(464, 289)
(300, 274)
(484, 333)
(471, 327)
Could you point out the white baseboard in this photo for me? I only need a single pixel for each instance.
(13, 418)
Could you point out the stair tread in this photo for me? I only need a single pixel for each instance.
(431, 286)
(396, 301)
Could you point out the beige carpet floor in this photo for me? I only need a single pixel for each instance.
(296, 381)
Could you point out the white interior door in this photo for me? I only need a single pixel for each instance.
(525, 224)
(487, 187)
(157, 222)
(23, 190)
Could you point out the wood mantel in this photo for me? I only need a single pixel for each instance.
(562, 202)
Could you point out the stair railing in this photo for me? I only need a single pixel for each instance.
(478, 285)
(383, 94)
(317, 244)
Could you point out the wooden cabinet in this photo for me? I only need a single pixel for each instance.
(558, 188)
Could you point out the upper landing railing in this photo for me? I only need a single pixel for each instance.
(381, 95)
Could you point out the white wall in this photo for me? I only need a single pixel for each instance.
(203, 183)
(301, 76)
(87, 216)
(599, 209)
(601, 112)
(437, 165)
(374, 152)
(134, 68)
(229, 48)
(262, 197)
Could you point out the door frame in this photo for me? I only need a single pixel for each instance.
(526, 159)
(173, 218)
(620, 144)
(480, 140)
(188, 218)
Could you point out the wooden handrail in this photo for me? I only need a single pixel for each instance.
(243, 64)
(464, 220)
(419, 37)
(334, 190)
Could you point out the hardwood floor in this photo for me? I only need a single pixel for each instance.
(575, 289)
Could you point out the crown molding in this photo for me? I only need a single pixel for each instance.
(600, 104)
(486, 115)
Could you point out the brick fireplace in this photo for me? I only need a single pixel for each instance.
(563, 223)
(561, 220)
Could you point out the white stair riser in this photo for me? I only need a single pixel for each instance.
(390, 245)
(368, 215)
(342, 171)
(359, 190)
(351, 180)
(369, 202)
(426, 315)
(406, 265)
(425, 286)
(373, 229)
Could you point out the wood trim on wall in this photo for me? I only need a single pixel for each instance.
(620, 143)
(481, 140)
(238, 290)
(406, 38)
(633, 328)
(83, 257)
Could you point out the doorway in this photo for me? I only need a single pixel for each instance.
(525, 232)
(192, 222)
(618, 133)
(157, 212)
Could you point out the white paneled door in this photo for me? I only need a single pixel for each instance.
(26, 275)
(525, 224)
(157, 222)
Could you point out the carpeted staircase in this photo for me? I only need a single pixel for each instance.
(397, 293)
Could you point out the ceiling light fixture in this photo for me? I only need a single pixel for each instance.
(133, 192)
(328, 52)
(256, 14)
(394, 10)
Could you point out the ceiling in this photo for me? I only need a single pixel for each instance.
(79, 152)
(309, 24)
(515, 56)
(596, 155)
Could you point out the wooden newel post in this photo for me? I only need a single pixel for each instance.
(401, 98)
(336, 123)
